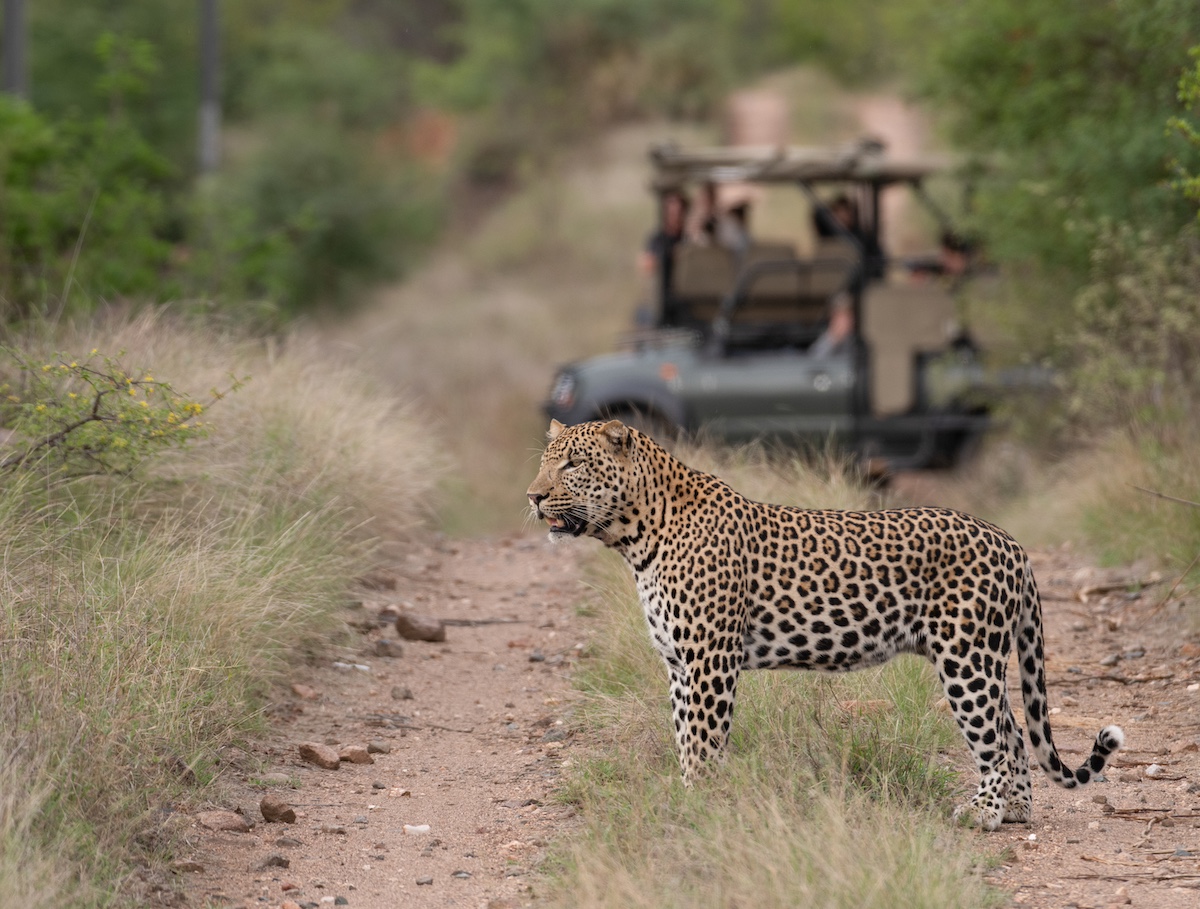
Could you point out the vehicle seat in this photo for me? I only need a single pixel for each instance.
(703, 276)
(899, 322)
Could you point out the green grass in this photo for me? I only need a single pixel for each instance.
(834, 792)
(144, 620)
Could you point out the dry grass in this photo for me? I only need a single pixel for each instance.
(142, 621)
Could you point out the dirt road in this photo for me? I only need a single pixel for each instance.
(477, 751)
(473, 736)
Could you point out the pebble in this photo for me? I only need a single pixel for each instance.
(420, 628)
(275, 860)
(305, 691)
(321, 755)
(424, 881)
(379, 784)
(355, 754)
(416, 829)
(274, 809)
(1154, 771)
(463, 875)
(229, 821)
(288, 842)
(537, 657)
(377, 747)
(1111, 660)
(1067, 701)
(333, 828)
(386, 647)
(289, 904)
(402, 693)
(557, 734)
(361, 667)
(360, 819)
(275, 778)
(182, 866)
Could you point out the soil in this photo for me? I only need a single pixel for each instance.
(476, 731)
(478, 751)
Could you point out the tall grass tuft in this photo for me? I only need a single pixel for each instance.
(833, 793)
(143, 620)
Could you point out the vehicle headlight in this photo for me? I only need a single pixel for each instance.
(563, 393)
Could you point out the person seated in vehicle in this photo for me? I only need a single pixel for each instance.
(839, 333)
(658, 255)
(839, 220)
(950, 263)
(727, 227)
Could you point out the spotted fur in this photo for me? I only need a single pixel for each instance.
(729, 584)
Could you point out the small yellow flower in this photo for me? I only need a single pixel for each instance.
(73, 364)
(133, 390)
(172, 418)
(144, 403)
(72, 395)
(41, 408)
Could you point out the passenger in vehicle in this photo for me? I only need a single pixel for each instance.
(840, 220)
(839, 333)
(658, 255)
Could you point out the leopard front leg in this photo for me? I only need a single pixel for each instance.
(703, 691)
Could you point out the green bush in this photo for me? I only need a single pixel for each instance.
(82, 204)
(307, 219)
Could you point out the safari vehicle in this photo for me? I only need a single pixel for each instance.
(733, 347)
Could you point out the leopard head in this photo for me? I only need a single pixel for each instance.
(587, 479)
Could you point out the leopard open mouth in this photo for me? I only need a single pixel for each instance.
(568, 524)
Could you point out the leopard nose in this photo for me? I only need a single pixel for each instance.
(536, 498)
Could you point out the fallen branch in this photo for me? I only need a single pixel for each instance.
(1163, 495)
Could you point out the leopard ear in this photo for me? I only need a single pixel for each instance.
(617, 433)
(554, 431)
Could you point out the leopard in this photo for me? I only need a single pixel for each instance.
(730, 584)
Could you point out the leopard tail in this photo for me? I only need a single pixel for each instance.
(1031, 656)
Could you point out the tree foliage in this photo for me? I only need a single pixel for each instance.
(1068, 101)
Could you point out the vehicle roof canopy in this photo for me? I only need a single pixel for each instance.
(865, 160)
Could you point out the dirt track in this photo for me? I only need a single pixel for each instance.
(475, 754)
(478, 751)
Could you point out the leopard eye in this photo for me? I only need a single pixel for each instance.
(572, 464)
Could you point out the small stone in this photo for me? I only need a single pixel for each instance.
(378, 747)
(379, 784)
(1154, 771)
(461, 875)
(184, 866)
(517, 803)
(537, 657)
(1180, 852)
(420, 628)
(274, 810)
(1067, 701)
(360, 819)
(1093, 825)
(386, 647)
(341, 901)
(275, 860)
(304, 691)
(336, 829)
(288, 842)
(1135, 653)
(556, 734)
(424, 881)
(1111, 660)
(1100, 799)
(228, 821)
(402, 693)
(321, 755)
(289, 885)
(1181, 747)
(275, 778)
(355, 754)
(289, 904)
(416, 829)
